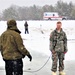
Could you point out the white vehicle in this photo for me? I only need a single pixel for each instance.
(53, 16)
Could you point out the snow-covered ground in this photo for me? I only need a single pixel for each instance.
(38, 38)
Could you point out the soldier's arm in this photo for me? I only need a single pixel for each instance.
(65, 43)
(21, 47)
(51, 42)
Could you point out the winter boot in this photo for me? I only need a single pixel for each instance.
(53, 73)
(62, 73)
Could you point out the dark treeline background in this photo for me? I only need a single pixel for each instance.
(36, 12)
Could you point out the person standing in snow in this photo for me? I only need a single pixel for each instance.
(58, 47)
(12, 49)
(26, 28)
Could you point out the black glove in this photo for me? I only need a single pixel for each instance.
(23, 56)
(30, 57)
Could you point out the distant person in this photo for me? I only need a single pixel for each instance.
(12, 49)
(58, 47)
(26, 28)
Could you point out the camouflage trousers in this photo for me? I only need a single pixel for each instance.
(14, 67)
(55, 57)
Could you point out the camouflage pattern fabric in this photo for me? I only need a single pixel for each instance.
(58, 41)
(58, 46)
(55, 58)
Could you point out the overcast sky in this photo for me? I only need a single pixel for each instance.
(7, 3)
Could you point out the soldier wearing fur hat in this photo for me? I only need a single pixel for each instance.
(58, 47)
(12, 49)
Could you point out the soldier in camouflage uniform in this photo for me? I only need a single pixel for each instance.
(58, 47)
(12, 49)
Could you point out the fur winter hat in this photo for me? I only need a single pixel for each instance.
(11, 23)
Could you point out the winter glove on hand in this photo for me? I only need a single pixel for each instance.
(23, 56)
(30, 57)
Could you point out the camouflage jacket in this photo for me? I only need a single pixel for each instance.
(11, 45)
(58, 41)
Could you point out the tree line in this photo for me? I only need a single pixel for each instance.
(36, 12)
